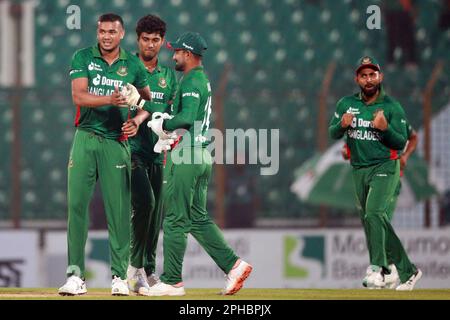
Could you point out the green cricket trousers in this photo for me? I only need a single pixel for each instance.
(93, 158)
(393, 202)
(375, 186)
(185, 212)
(146, 216)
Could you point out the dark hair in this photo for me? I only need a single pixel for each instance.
(110, 17)
(151, 24)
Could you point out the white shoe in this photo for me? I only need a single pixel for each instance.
(376, 280)
(392, 280)
(164, 289)
(369, 271)
(152, 279)
(411, 282)
(119, 287)
(137, 282)
(74, 286)
(236, 277)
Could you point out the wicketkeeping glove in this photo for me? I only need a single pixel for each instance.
(132, 95)
(156, 124)
(163, 144)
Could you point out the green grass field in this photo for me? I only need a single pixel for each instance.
(244, 294)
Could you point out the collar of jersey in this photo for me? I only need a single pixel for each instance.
(158, 66)
(96, 53)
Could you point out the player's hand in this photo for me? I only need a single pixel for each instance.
(130, 127)
(132, 96)
(379, 121)
(117, 99)
(346, 120)
(344, 152)
(403, 162)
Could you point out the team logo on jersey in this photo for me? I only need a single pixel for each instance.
(123, 71)
(162, 83)
(366, 60)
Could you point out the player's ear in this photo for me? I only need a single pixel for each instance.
(381, 77)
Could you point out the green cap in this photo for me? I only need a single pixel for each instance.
(367, 62)
(191, 41)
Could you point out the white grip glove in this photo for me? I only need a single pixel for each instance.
(162, 145)
(156, 124)
(132, 95)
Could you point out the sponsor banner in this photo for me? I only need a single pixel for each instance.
(338, 259)
(19, 259)
(281, 258)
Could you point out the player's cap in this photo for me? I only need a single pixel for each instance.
(367, 62)
(191, 41)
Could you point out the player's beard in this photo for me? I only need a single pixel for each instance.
(149, 56)
(179, 66)
(370, 92)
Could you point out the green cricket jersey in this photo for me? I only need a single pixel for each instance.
(163, 86)
(105, 121)
(369, 146)
(192, 108)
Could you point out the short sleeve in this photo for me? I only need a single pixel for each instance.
(141, 80)
(78, 67)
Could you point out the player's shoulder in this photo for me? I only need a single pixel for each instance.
(199, 77)
(168, 71)
(132, 57)
(195, 79)
(83, 53)
(346, 100)
(392, 103)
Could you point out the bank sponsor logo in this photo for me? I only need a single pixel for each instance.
(304, 257)
(353, 110)
(94, 67)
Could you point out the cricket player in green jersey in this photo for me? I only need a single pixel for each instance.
(147, 165)
(100, 150)
(187, 181)
(404, 156)
(375, 127)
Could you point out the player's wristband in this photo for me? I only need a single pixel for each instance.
(140, 103)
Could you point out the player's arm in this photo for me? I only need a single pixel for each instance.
(345, 152)
(131, 126)
(175, 87)
(190, 102)
(410, 147)
(81, 96)
(412, 144)
(141, 113)
(145, 93)
(340, 122)
(393, 133)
